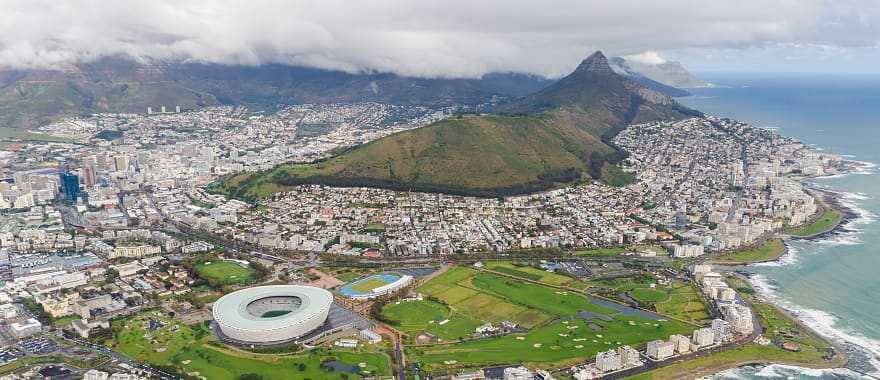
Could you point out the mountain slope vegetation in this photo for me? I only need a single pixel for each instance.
(554, 136)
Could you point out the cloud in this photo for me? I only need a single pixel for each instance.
(646, 58)
(445, 38)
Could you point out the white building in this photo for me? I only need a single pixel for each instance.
(703, 337)
(94, 374)
(739, 317)
(687, 250)
(518, 373)
(659, 350)
(608, 361)
(26, 328)
(721, 331)
(629, 357)
(370, 336)
(682, 343)
(135, 251)
(8, 311)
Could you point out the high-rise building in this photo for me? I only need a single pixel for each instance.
(608, 361)
(69, 186)
(149, 110)
(629, 357)
(682, 343)
(89, 176)
(721, 330)
(177, 109)
(659, 350)
(703, 337)
(121, 162)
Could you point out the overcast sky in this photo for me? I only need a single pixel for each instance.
(450, 38)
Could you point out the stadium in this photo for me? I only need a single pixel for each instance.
(269, 315)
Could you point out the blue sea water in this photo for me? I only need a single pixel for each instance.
(832, 284)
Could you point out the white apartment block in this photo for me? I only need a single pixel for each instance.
(135, 251)
(659, 350)
(703, 337)
(608, 361)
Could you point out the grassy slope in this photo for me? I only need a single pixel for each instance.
(829, 219)
(769, 251)
(483, 155)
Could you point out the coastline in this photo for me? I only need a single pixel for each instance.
(829, 199)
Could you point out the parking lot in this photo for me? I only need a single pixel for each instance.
(38, 346)
(9, 355)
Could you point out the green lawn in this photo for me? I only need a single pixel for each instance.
(557, 344)
(224, 272)
(556, 338)
(195, 351)
(648, 295)
(829, 219)
(769, 251)
(432, 317)
(613, 251)
(528, 272)
(684, 302)
(348, 276)
(7, 134)
(678, 300)
(367, 285)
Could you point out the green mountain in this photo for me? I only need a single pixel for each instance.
(540, 141)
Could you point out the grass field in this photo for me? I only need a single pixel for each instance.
(678, 300)
(684, 302)
(613, 251)
(367, 285)
(348, 276)
(829, 219)
(456, 289)
(432, 317)
(226, 273)
(528, 272)
(769, 251)
(559, 337)
(195, 351)
(7, 134)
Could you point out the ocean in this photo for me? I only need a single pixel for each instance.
(832, 284)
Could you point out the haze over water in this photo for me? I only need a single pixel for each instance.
(832, 284)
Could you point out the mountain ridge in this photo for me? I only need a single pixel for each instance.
(554, 136)
(29, 98)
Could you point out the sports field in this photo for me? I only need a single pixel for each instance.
(224, 272)
(367, 284)
(432, 317)
(557, 336)
(196, 352)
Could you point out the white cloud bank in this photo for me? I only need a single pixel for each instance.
(449, 38)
